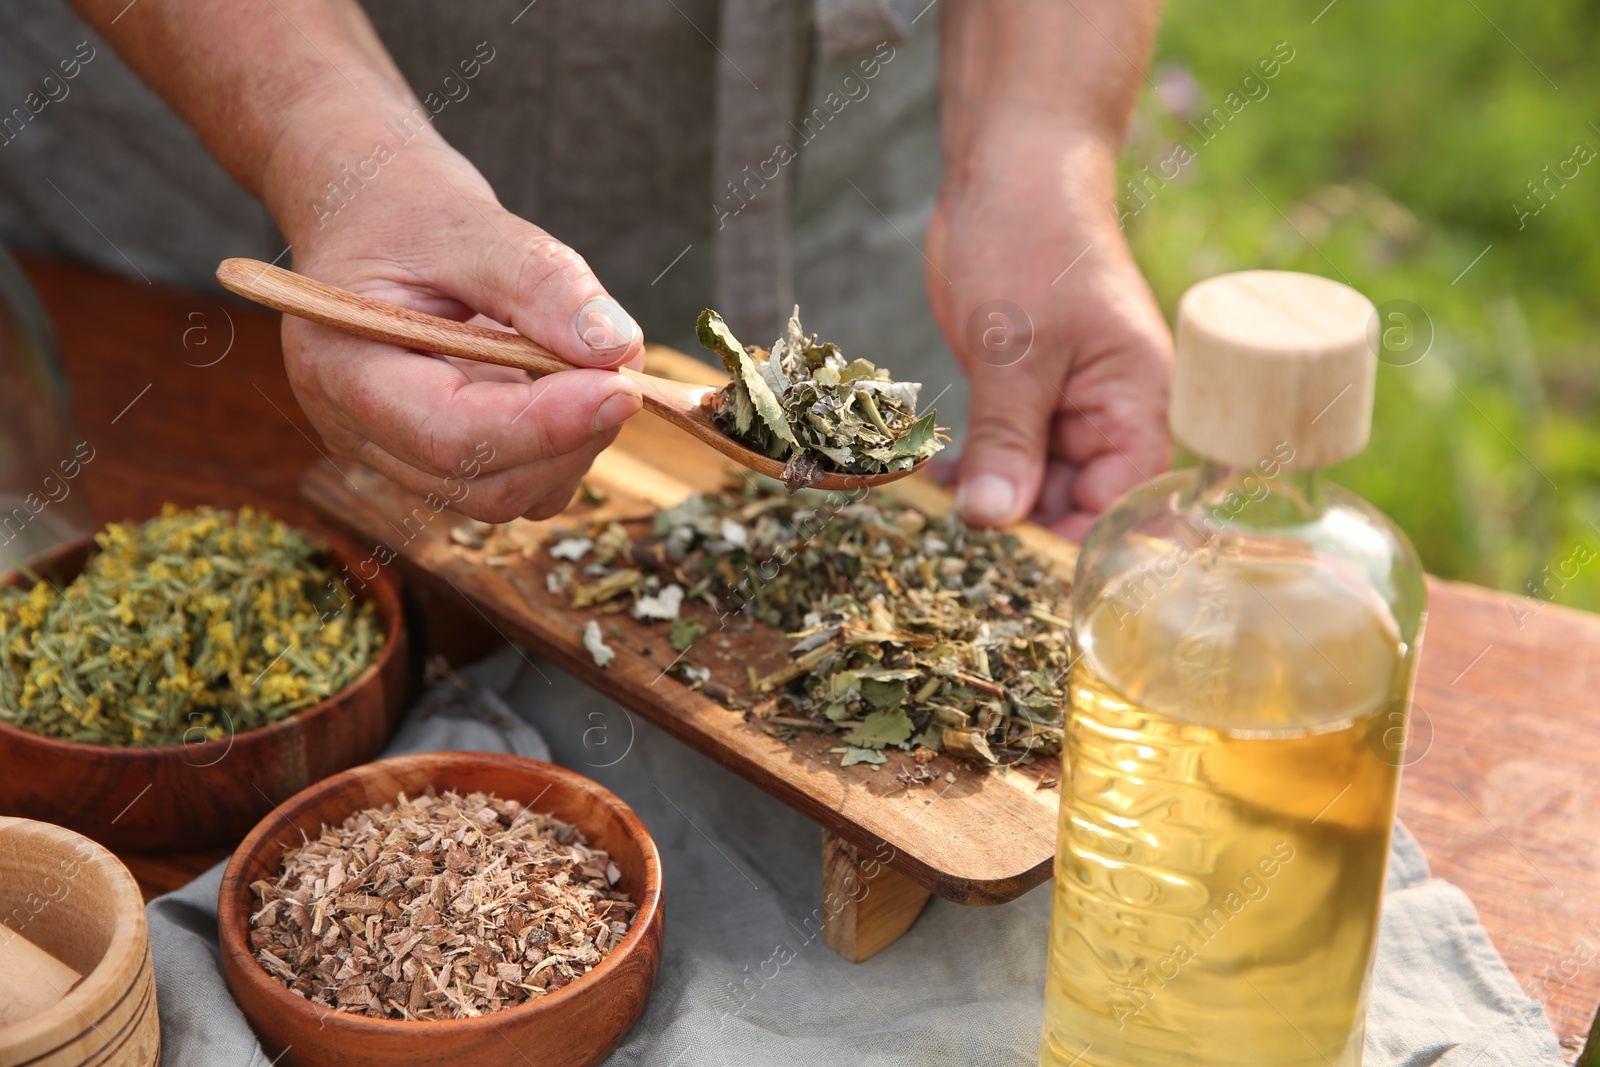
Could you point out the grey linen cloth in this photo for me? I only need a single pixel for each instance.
(746, 981)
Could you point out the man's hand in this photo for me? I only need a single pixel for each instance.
(302, 105)
(429, 234)
(1067, 353)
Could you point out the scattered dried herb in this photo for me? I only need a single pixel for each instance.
(684, 633)
(595, 644)
(470, 533)
(439, 907)
(907, 631)
(190, 626)
(803, 402)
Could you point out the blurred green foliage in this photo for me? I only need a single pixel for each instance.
(1403, 148)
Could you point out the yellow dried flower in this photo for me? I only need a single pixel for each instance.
(192, 610)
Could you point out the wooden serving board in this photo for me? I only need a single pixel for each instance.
(971, 836)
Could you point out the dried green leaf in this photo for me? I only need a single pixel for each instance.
(684, 632)
(857, 370)
(612, 585)
(920, 439)
(885, 695)
(881, 728)
(853, 755)
(612, 543)
(890, 674)
(744, 411)
(766, 402)
(713, 333)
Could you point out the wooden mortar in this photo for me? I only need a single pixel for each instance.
(73, 900)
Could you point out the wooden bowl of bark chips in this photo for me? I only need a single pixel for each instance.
(450, 907)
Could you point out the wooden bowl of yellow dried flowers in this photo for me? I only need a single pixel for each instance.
(163, 685)
(449, 907)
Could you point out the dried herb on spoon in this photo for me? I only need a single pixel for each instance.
(805, 403)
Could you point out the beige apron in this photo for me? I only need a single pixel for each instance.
(741, 153)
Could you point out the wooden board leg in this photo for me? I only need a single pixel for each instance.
(866, 906)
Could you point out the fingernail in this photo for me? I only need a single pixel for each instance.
(987, 498)
(615, 410)
(604, 326)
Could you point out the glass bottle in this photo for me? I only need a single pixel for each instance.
(41, 502)
(1245, 639)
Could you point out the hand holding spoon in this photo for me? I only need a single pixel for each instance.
(682, 405)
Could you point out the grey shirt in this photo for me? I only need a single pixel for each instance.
(736, 154)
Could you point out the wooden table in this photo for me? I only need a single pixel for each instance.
(1504, 792)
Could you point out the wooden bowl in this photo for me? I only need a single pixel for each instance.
(74, 900)
(184, 797)
(575, 1026)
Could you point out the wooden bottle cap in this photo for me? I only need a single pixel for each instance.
(1267, 358)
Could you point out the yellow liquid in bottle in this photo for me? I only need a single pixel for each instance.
(1228, 792)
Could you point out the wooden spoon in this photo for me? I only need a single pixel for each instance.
(684, 406)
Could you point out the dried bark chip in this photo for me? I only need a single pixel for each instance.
(439, 907)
